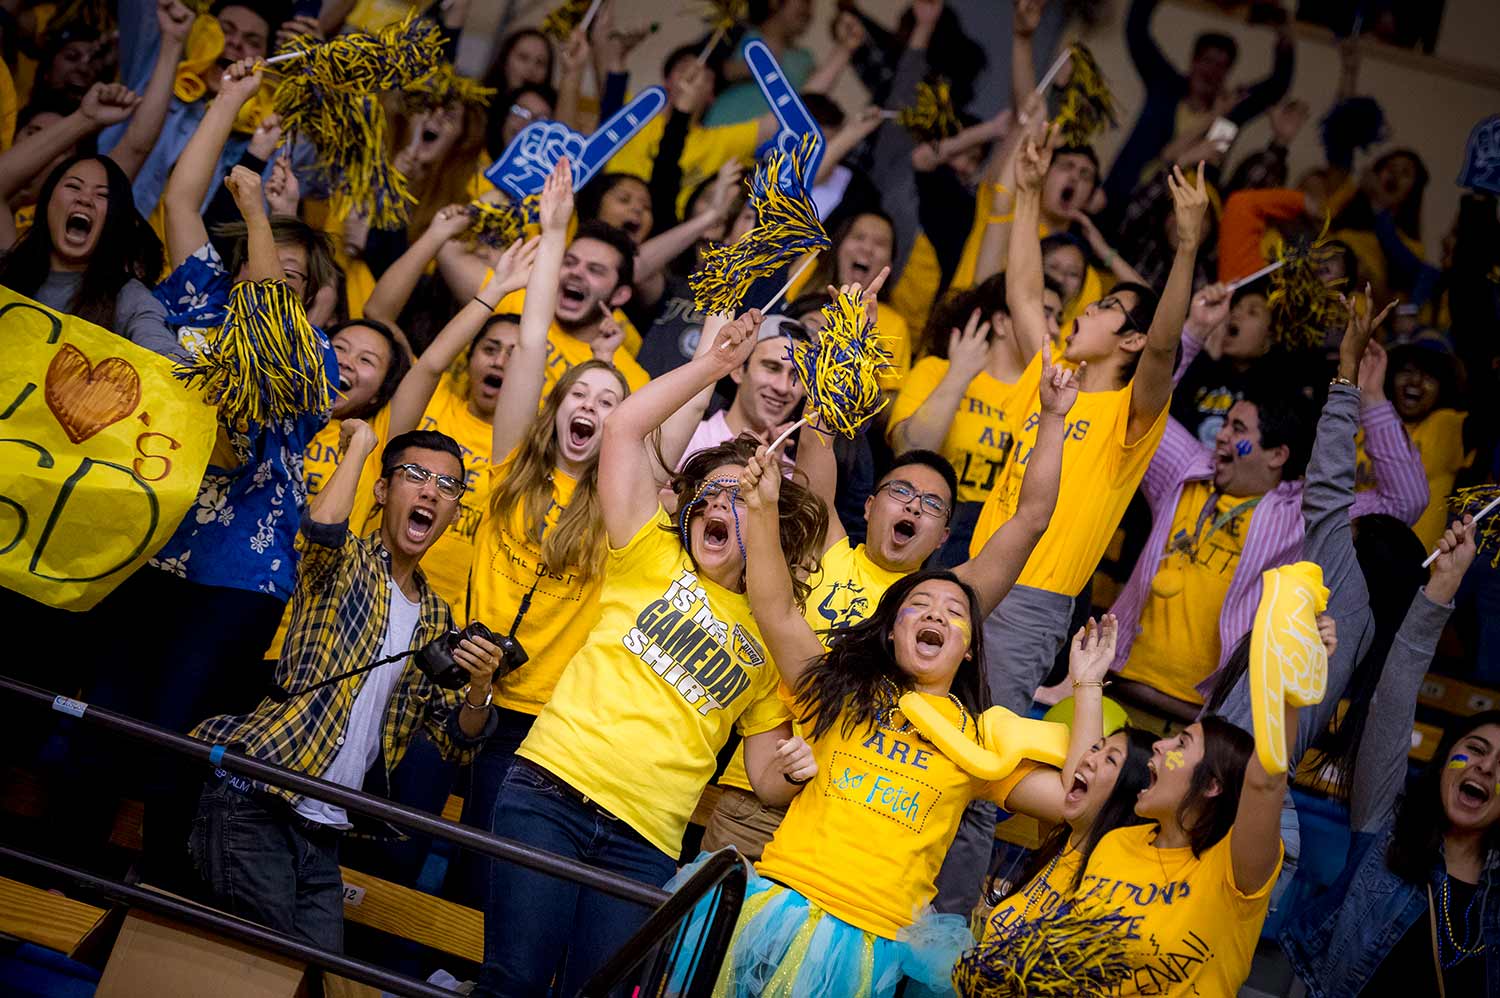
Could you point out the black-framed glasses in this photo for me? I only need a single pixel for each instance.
(1114, 303)
(904, 492)
(448, 487)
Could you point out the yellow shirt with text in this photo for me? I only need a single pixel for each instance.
(564, 605)
(1191, 930)
(865, 839)
(1178, 644)
(703, 152)
(674, 663)
(1040, 897)
(845, 591)
(1439, 439)
(1100, 473)
(980, 437)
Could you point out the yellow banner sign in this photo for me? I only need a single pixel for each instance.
(101, 453)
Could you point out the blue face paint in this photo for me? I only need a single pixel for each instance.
(1243, 448)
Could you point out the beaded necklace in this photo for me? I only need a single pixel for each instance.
(1460, 950)
(892, 699)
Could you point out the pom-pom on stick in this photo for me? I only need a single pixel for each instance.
(1487, 537)
(562, 19)
(931, 118)
(722, 16)
(1269, 268)
(1087, 106)
(1053, 70)
(842, 371)
(501, 224)
(1075, 950)
(1301, 305)
(264, 363)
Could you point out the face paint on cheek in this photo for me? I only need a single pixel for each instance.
(1174, 759)
(1243, 448)
(962, 626)
(1459, 761)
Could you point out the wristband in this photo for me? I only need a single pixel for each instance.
(1000, 219)
(796, 783)
(487, 305)
(1077, 683)
(488, 698)
(1342, 381)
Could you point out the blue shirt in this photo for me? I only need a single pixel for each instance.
(240, 532)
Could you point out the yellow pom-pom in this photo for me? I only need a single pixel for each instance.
(931, 118)
(723, 15)
(562, 19)
(841, 373)
(446, 87)
(501, 224)
(1301, 305)
(1469, 502)
(1087, 106)
(1076, 950)
(265, 363)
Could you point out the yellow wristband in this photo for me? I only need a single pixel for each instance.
(1001, 219)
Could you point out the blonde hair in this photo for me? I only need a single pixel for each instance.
(578, 540)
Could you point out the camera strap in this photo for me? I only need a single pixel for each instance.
(281, 695)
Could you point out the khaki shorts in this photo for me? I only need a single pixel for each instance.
(742, 821)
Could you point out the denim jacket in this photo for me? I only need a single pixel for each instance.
(1337, 942)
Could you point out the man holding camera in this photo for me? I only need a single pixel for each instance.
(271, 855)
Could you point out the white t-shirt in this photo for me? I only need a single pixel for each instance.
(360, 746)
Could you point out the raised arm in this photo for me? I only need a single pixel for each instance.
(416, 388)
(1256, 847)
(1263, 94)
(1401, 488)
(1025, 18)
(261, 261)
(656, 253)
(130, 153)
(187, 187)
(1151, 388)
(630, 497)
(927, 427)
(677, 432)
(994, 570)
(789, 638)
(335, 501)
(1023, 273)
(1380, 767)
(395, 287)
(104, 104)
(848, 36)
(1149, 61)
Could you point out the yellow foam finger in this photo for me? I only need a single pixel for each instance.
(1288, 663)
(1005, 738)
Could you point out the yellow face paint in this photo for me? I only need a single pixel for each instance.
(961, 625)
(1459, 761)
(1174, 759)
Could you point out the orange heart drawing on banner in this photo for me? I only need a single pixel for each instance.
(84, 398)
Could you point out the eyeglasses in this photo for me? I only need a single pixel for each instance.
(904, 492)
(448, 487)
(520, 112)
(1114, 303)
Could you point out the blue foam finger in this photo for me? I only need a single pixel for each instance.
(788, 108)
(612, 135)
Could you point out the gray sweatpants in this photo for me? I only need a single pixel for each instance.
(1021, 640)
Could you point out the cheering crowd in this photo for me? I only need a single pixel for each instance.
(635, 561)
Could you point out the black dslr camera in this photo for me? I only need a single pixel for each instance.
(436, 657)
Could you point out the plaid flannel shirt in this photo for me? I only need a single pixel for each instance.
(339, 614)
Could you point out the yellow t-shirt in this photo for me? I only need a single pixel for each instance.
(1100, 473)
(564, 350)
(318, 463)
(1178, 644)
(845, 591)
(1192, 931)
(641, 712)
(865, 839)
(703, 152)
(564, 606)
(1046, 891)
(1439, 439)
(916, 291)
(979, 439)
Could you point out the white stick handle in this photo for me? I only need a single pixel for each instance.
(285, 57)
(1235, 285)
(588, 18)
(1057, 65)
(796, 275)
(888, 115)
(708, 47)
(1477, 517)
(786, 433)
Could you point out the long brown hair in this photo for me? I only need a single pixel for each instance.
(448, 182)
(803, 517)
(578, 540)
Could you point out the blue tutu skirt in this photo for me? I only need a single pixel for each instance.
(784, 946)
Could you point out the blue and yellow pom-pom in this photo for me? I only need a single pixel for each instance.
(931, 118)
(841, 372)
(501, 224)
(1301, 306)
(1469, 502)
(330, 96)
(265, 362)
(444, 87)
(562, 19)
(1087, 106)
(1075, 950)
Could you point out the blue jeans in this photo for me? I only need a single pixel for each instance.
(469, 876)
(537, 926)
(263, 862)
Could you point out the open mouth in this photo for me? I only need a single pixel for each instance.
(419, 524)
(1150, 776)
(572, 294)
(715, 534)
(859, 270)
(1473, 793)
(77, 226)
(1066, 195)
(904, 529)
(930, 640)
(345, 384)
(1079, 788)
(429, 135)
(492, 380)
(1232, 330)
(580, 431)
(631, 227)
(1410, 395)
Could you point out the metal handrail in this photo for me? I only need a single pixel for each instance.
(259, 936)
(350, 800)
(722, 873)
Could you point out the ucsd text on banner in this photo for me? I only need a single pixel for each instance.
(101, 453)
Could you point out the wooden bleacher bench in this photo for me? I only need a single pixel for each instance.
(411, 914)
(47, 919)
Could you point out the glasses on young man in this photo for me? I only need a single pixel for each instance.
(904, 492)
(1114, 303)
(448, 487)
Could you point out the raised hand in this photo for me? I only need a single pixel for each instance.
(108, 104)
(848, 32)
(512, 270)
(356, 438)
(1032, 163)
(244, 185)
(760, 482)
(1092, 651)
(283, 191)
(720, 197)
(574, 53)
(1456, 552)
(556, 206)
(611, 335)
(690, 91)
(1209, 309)
(299, 26)
(736, 341)
(240, 82)
(1026, 17)
(1359, 327)
(174, 21)
(1372, 374)
(969, 348)
(450, 222)
(267, 137)
(1058, 389)
(1190, 205)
